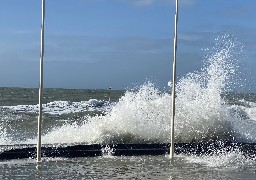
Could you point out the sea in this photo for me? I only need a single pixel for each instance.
(207, 109)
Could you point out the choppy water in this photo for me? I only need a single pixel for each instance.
(142, 167)
(207, 110)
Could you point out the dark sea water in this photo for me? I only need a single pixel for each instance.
(142, 167)
(207, 109)
(19, 110)
(64, 116)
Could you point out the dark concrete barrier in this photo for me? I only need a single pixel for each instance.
(80, 150)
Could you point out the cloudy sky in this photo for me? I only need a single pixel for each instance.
(117, 43)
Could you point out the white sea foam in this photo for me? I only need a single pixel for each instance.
(63, 107)
(138, 116)
(231, 160)
(250, 109)
(3, 137)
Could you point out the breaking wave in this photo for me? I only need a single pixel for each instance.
(144, 115)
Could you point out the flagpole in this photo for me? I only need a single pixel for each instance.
(41, 85)
(174, 82)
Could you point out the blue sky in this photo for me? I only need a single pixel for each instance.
(117, 43)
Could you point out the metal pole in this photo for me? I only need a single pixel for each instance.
(173, 83)
(41, 85)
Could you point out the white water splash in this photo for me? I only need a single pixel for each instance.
(138, 117)
(228, 160)
(201, 112)
(3, 137)
(144, 115)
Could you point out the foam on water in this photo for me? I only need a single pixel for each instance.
(250, 109)
(63, 107)
(3, 136)
(231, 160)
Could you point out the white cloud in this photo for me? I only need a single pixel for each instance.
(152, 2)
(143, 2)
(187, 2)
(190, 36)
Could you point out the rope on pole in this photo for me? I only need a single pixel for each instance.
(174, 82)
(41, 85)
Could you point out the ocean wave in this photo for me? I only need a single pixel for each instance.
(144, 115)
(64, 107)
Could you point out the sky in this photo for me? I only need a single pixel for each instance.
(118, 43)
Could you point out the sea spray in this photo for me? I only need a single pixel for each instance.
(143, 115)
(6, 119)
(139, 116)
(225, 159)
(202, 113)
(3, 137)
